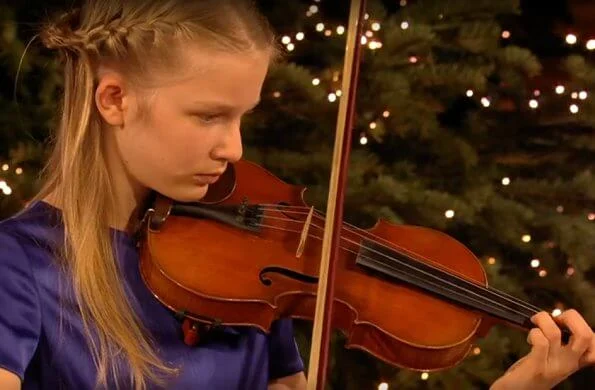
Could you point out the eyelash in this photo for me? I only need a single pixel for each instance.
(209, 118)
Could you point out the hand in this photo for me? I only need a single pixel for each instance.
(550, 362)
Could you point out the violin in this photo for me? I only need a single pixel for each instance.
(253, 251)
(249, 253)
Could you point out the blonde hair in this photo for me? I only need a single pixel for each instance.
(138, 37)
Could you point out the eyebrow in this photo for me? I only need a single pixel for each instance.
(220, 106)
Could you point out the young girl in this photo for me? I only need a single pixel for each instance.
(153, 98)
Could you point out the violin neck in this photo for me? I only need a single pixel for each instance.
(401, 268)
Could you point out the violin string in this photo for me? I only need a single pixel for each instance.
(461, 290)
(532, 311)
(412, 256)
(355, 230)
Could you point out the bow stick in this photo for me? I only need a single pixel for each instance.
(317, 368)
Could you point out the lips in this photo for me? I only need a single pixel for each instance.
(206, 178)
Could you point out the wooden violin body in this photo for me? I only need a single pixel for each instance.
(249, 253)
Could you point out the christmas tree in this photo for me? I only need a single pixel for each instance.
(463, 125)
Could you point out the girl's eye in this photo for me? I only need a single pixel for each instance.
(208, 118)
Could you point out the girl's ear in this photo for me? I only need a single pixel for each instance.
(112, 99)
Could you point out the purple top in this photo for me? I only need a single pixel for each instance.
(48, 355)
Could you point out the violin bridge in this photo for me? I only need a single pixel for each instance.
(304, 236)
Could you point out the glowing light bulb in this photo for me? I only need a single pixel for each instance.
(7, 190)
(491, 260)
(505, 181)
(5, 167)
(320, 27)
(424, 376)
(526, 238)
(505, 34)
(449, 214)
(285, 40)
(476, 351)
(590, 44)
(383, 386)
(542, 273)
(559, 89)
(386, 114)
(404, 25)
(315, 81)
(332, 97)
(533, 103)
(340, 30)
(375, 26)
(363, 139)
(277, 94)
(290, 47)
(18, 171)
(413, 59)
(535, 263)
(469, 93)
(299, 36)
(556, 312)
(571, 39)
(591, 216)
(313, 8)
(582, 95)
(485, 101)
(372, 125)
(573, 108)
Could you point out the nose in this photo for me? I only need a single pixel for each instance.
(229, 147)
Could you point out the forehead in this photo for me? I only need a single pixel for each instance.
(235, 78)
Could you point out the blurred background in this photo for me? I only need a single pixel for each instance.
(475, 118)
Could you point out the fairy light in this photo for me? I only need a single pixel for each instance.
(18, 171)
(424, 376)
(537, 92)
(277, 94)
(413, 59)
(383, 386)
(574, 95)
(469, 93)
(560, 89)
(526, 238)
(570, 271)
(290, 47)
(315, 81)
(376, 26)
(591, 216)
(560, 209)
(590, 44)
(571, 39)
(363, 139)
(404, 25)
(582, 95)
(364, 40)
(485, 101)
(535, 263)
(332, 97)
(403, 3)
(556, 312)
(542, 273)
(338, 92)
(285, 40)
(505, 181)
(386, 114)
(328, 33)
(476, 351)
(369, 34)
(313, 9)
(573, 108)
(320, 27)
(299, 36)
(449, 214)
(533, 103)
(340, 30)
(5, 167)
(373, 125)
(505, 34)
(491, 260)
(7, 190)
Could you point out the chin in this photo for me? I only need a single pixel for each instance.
(191, 194)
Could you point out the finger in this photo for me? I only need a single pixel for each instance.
(540, 346)
(582, 335)
(550, 330)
